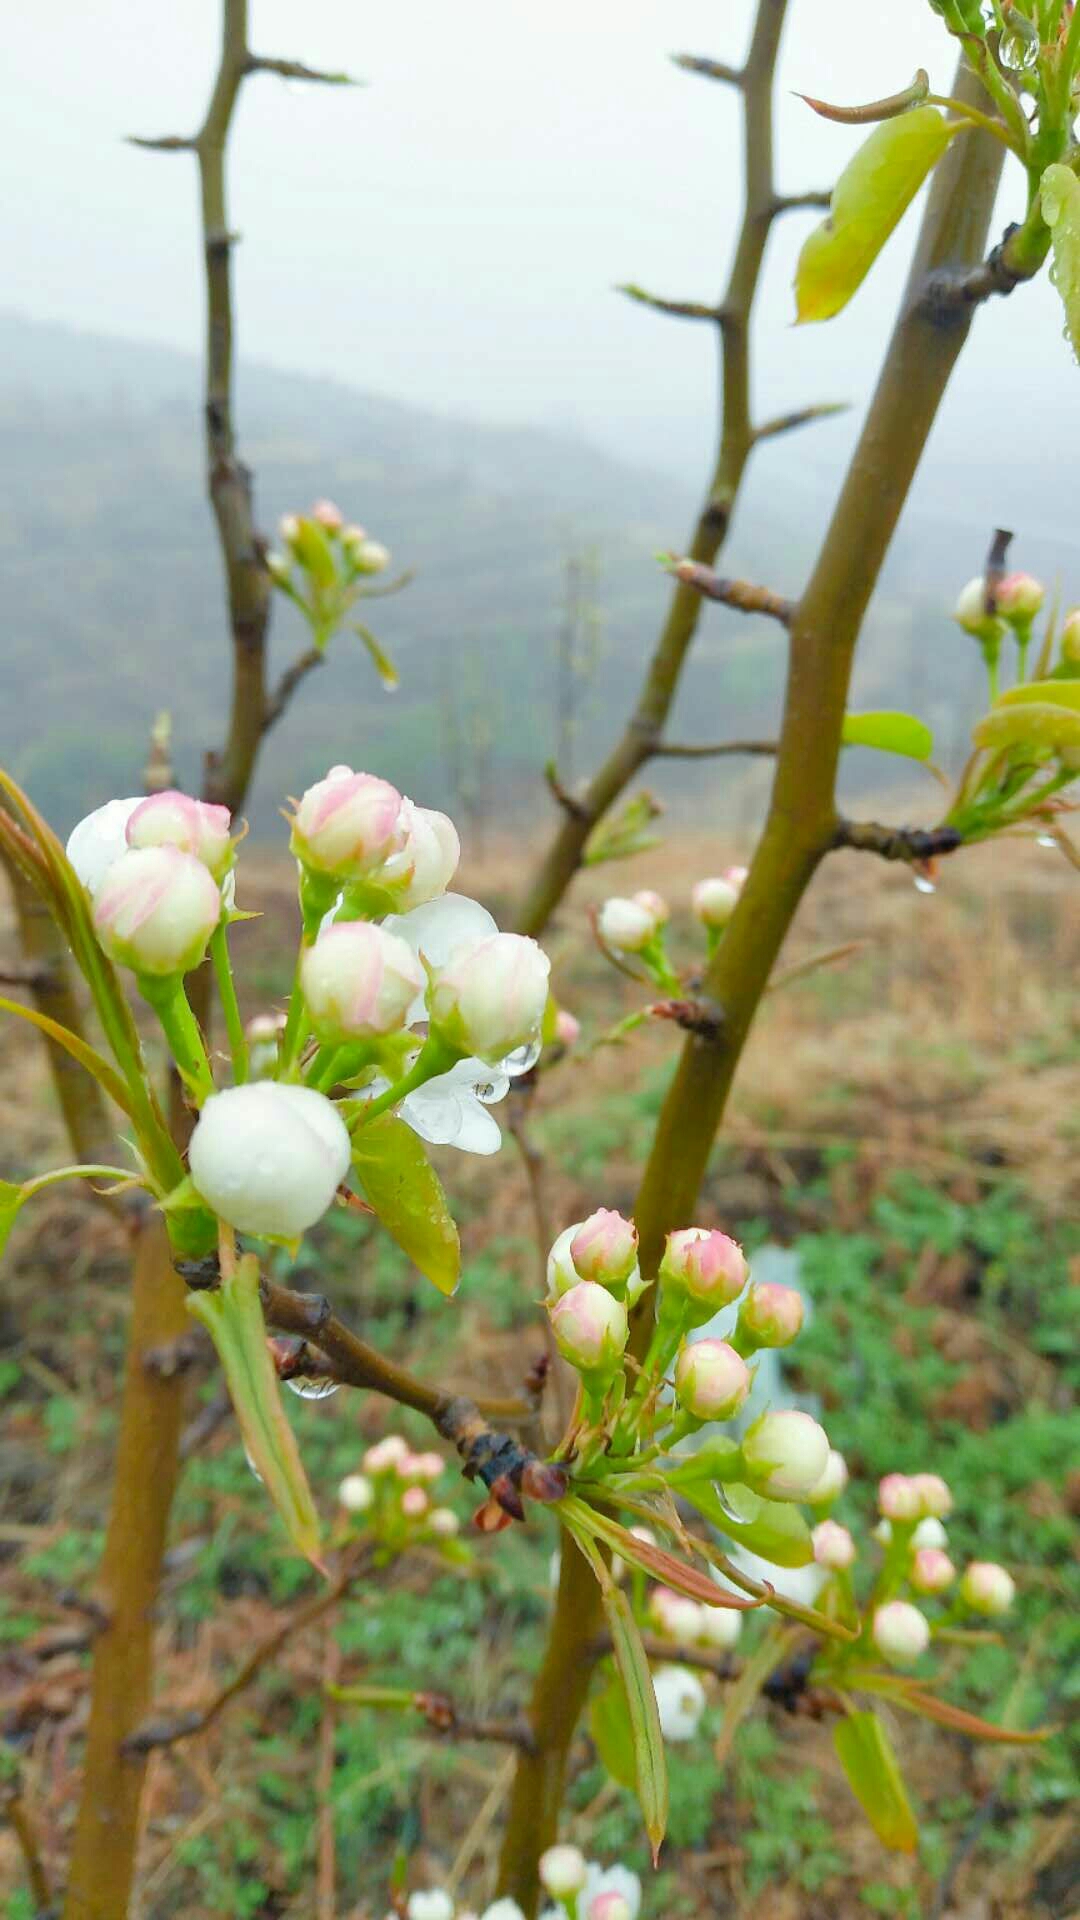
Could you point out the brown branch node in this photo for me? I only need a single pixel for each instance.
(701, 1017)
(576, 809)
(913, 844)
(948, 292)
(740, 594)
(443, 1716)
(174, 1357)
(710, 69)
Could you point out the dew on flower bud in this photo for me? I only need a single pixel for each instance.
(900, 1632)
(269, 1158)
(359, 982)
(156, 909)
(489, 999)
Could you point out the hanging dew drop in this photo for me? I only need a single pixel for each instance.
(1046, 840)
(923, 885)
(314, 1386)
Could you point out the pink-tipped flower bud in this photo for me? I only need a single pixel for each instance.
(563, 1871)
(708, 1264)
(491, 996)
(626, 925)
(935, 1497)
(770, 1315)
(567, 1028)
(711, 1380)
(386, 1455)
(1070, 637)
(269, 1158)
(1019, 597)
(784, 1454)
(348, 824)
(612, 1905)
(423, 1468)
(675, 1615)
(369, 556)
(931, 1570)
(899, 1498)
(736, 877)
(359, 981)
(444, 1523)
(900, 1632)
(970, 612)
(832, 1482)
(327, 515)
(654, 904)
(590, 1328)
(834, 1547)
(987, 1588)
(176, 820)
(356, 1493)
(414, 1503)
(156, 909)
(605, 1248)
(428, 860)
(714, 901)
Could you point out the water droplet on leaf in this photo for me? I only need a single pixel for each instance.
(251, 1464)
(314, 1386)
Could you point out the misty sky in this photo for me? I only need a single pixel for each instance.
(450, 233)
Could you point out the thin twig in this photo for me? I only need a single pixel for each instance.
(800, 417)
(709, 1660)
(795, 202)
(290, 680)
(675, 750)
(743, 595)
(14, 1810)
(296, 70)
(913, 844)
(678, 309)
(711, 69)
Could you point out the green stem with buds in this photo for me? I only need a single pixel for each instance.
(230, 1006)
(181, 1029)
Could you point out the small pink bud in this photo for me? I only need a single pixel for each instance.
(931, 1570)
(1019, 597)
(567, 1028)
(675, 1615)
(832, 1482)
(327, 515)
(422, 1467)
(971, 614)
(626, 925)
(714, 901)
(987, 1588)
(590, 1328)
(156, 909)
(386, 1455)
(736, 876)
(935, 1499)
(348, 824)
(359, 981)
(444, 1523)
(784, 1454)
(1070, 637)
(414, 1503)
(900, 1632)
(356, 1493)
(834, 1547)
(605, 1248)
(609, 1906)
(563, 1871)
(899, 1498)
(770, 1315)
(653, 904)
(491, 997)
(176, 820)
(711, 1380)
(709, 1265)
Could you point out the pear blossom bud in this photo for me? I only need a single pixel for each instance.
(279, 569)
(720, 1627)
(1018, 598)
(899, 1498)
(711, 1380)
(289, 528)
(386, 1455)
(604, 1248)
(1070, 638)
(709, 1265)
(563, 1871)
(356, 1493)
(263, 1032)
(491, 997)
(900, 1632)
(567, 1028)
(832, 1482)
(428, 860)
(654, 904)
(626, 925)
(432, 1905)
(422, 1467)
(784, 1454)
(736, 877)
(928, 1533)
(327, 515)
(156, 909)
(444, 1523)
(987, 1588)
(613, 1905)
(935, 1498)
(971, 614)
(834, 1547)
(561, 1271)
(414, 1503)
(176, 820)
(98, 841)
(590, 1328)
(369, 556)
(676, 1616)
(770, 1315)
(931, 1570)
(347, 824)
(714, 901)
(680, 1700)
(268, 1158)
(352, 535)
(359, 981)
(501, 1910)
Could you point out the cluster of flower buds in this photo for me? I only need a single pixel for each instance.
(688, 1623)
(322, 566)
(391, 1498)
(990, 608)
(157, 872)
(715, 899)
(634, 926)
(581, 1889)
(913, 1508)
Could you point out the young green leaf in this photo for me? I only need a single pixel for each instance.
(1060, 198)
(612, 1732)
(873, 1774)
(914, 1699)
(889, 732)
(11, 1199)
(1062, 691)
(384, 666)
(396, 1179)
(871, 195)
(233, 1317)
(1035, 725)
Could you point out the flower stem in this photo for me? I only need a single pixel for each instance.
(181, 1030)
(234, 1025)
(296, 1026)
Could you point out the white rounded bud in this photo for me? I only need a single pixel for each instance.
(431, 1905)
(900, 1632)
(680, 1700)
(156, 909)
(428, 860)
(590, 1328)
(97, 842)
(987, 1588)
(267, 1158)
(784, 1454)
(359, 981)
(626, 925)
(444, 1523)
(834, 1547)
(928, 1533)
(832, 1482)
(720, 1627)
(563, 1871)
(931, 1570)
(491, 996)
(714, 901)
(899, 1498)
(676, 1616)
(711, 1380)
(653, 903)
(709, 1265)
(561, 1271)
(348, 824)
(970, 612)
(605, 1248)
(356, 1493)
(369, 556)
(176, 820)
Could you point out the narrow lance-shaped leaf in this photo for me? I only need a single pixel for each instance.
(613, 1734)
(663, 1566)
(1060, 198)
(873, 1774)
(232, 1315)
(909, 1695)
(384, 666)
(79, 1049)
(870, 197)
(405, 1192)
(889, 732)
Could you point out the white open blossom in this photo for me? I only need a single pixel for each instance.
(618, 1880)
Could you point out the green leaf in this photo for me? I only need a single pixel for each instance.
(889, 732)
(654, 1560)
(1062, 691)
(233, 1317)
(405, 1191)
(311, 545)
(1060, 198)
(914, 1699)
(11, 1199)
(873, 1774)
(384, 666)
(873, 192)
(81, 1050)
(1037, 726)
(613, 1734)
(771, 1528)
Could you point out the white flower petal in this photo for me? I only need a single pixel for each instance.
(451, 1117)
(617, 1879)
(439, 928)
(99, 840)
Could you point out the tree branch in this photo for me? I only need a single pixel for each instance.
(713, 69)
(1016, 258)
(14, 1810)
(801, 417)
(913, 844)
(723, 1665)
(287, 685)
(795, 202)
(675, 750)
(168, 143)
(679, 309)
(296, 70)
(740, 594)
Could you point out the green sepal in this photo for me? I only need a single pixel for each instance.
(399, 1183)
